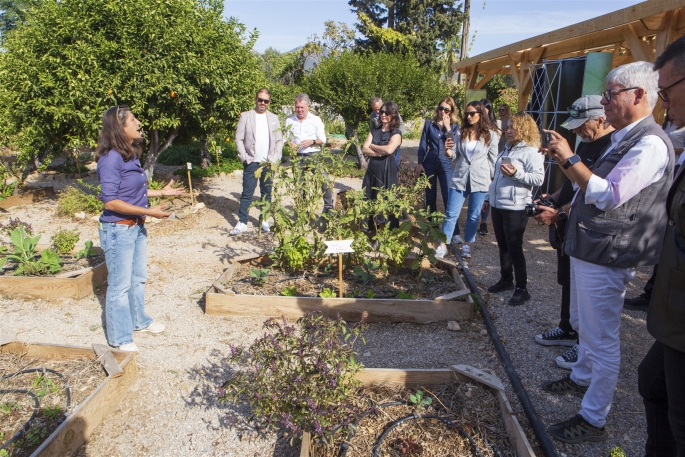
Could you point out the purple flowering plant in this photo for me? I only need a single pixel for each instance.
(299, 377)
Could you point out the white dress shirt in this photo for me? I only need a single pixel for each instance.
(310, 128)
(642, 165)
(261, 148)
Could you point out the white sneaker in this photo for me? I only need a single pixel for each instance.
(441, 251)
(155, 327)
(466, 251)
(129, 347)
(239, 228)
(265, 226)
(456, 239)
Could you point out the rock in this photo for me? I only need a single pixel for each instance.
(366, 354)
(172, 217)
(237, 173)
(222, 174)
(200, 206)
(181, 215)
(80, 215)
(483, 332)
(452, 325)
(468, 393)
(95, 218)
(154, 220)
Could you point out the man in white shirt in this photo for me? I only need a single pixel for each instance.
(258, 139)
(615, 224)
(307, 135)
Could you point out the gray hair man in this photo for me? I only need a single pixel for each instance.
(660, 375)
(588, 121)
(615, 224)
(307, 135)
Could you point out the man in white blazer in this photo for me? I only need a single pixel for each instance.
(258, 139)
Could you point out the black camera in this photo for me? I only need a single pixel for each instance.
(532, 210)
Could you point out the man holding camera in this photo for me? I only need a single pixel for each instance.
(588, 121)
(615, 224)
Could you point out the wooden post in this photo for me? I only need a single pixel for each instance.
(189, 166)
(340, 268)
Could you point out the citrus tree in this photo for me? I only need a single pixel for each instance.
(178, 63)
(346, 84)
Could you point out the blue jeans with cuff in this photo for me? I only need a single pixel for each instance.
(126, 257)
(455, 202)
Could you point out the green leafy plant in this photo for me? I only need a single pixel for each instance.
(402, 295)
(352, 294)
(52, 413)
(36, 436)
(327, 293)
(617, 452)
(43, 386)
(63, 241)
(7, 408)
(83, 198)
(25, 256)
(300, 378)
(289, 291)
(420, 400)
(87, 250)
(365, 272)
(370, 293)
(259, 275)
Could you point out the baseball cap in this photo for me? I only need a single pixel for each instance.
(582, 109)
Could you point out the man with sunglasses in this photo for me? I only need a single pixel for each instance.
(588, 121)
(258, 139)
(615, 224)
(661, 377)
(375, 121)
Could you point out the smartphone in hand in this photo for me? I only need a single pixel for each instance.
(546, 138)
(449, 136)
(506, 160)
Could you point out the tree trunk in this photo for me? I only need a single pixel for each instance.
(391, 14)
(353, 138)
(155, 150)
(463, 52)
(205, 157)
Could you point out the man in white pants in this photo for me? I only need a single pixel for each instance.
(616, 223)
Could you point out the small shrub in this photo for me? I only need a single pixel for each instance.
(24, 256)
(13, 224)
(301, 380)
(87, 250)
(63, 242)
(73, 200)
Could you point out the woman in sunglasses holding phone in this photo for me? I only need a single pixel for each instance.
(431, 156)
(380, 148)
(474, 155)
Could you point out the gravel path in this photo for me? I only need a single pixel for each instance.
(173, 410)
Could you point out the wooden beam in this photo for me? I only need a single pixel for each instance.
(668, 34)
(601, 23)
(656, 22)
(471, 77)
(487, 76)
(638, 48)
(513, 68)
(533, 57)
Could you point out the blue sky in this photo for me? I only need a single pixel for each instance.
(287, 24)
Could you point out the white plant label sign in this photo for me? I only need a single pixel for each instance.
(339, 246)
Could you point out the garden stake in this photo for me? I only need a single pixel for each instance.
(189, 166)
(340, 271)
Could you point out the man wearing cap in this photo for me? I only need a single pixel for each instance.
(588, 121)
(615, 224)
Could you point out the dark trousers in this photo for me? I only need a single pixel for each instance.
(661, 382)
(249, 185)
(649, 286)
(564, 280)
(437, 172)
(509, 227)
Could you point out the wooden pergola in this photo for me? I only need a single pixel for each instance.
(639, 32)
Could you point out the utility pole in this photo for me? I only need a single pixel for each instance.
(465, 36)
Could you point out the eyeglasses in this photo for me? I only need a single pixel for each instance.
(575, 113)
(385, 112)
(263, 100)
(445, 109)
(663, 94)
(471, 113)
(607, 94)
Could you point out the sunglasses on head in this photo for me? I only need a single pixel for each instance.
(263, 100)
(575, 113)
(445, 109)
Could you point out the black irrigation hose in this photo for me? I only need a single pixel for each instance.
(346, 445)
(36, 402)
(539, 429)
(415, 416)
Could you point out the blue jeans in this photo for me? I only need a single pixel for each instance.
(454, 204)
(437, 171)
(126, 257)
(249, 185)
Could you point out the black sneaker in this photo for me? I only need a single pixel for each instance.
(564, 386)
(640, 303)
(577, 430)
(483, 229)
(520, 297)
(557, 337)
(501, 286)
(567, 360)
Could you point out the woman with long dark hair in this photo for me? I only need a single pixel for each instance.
(123, 235)
(381, 147)
(474, 155)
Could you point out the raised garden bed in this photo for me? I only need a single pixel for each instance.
(431, 379)
(119, 375)
(75, 284)
(454, 303)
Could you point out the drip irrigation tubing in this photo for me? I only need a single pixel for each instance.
(528, 408)
(36, 400)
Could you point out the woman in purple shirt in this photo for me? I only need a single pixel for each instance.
(123, 236)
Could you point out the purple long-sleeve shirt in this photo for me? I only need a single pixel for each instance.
(125, 181)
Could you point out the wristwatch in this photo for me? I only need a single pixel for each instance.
(574, 159)
(562, 215)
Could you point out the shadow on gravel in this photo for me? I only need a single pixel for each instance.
(207, 379)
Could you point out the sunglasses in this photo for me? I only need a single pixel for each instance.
(663, 94)
(575, 113)
(263, 100)
(385, 112)
(471, 113)
(442, 108)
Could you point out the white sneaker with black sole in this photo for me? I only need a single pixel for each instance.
(441, 251)
(567, 360)
(557, 337)
(239, 228)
